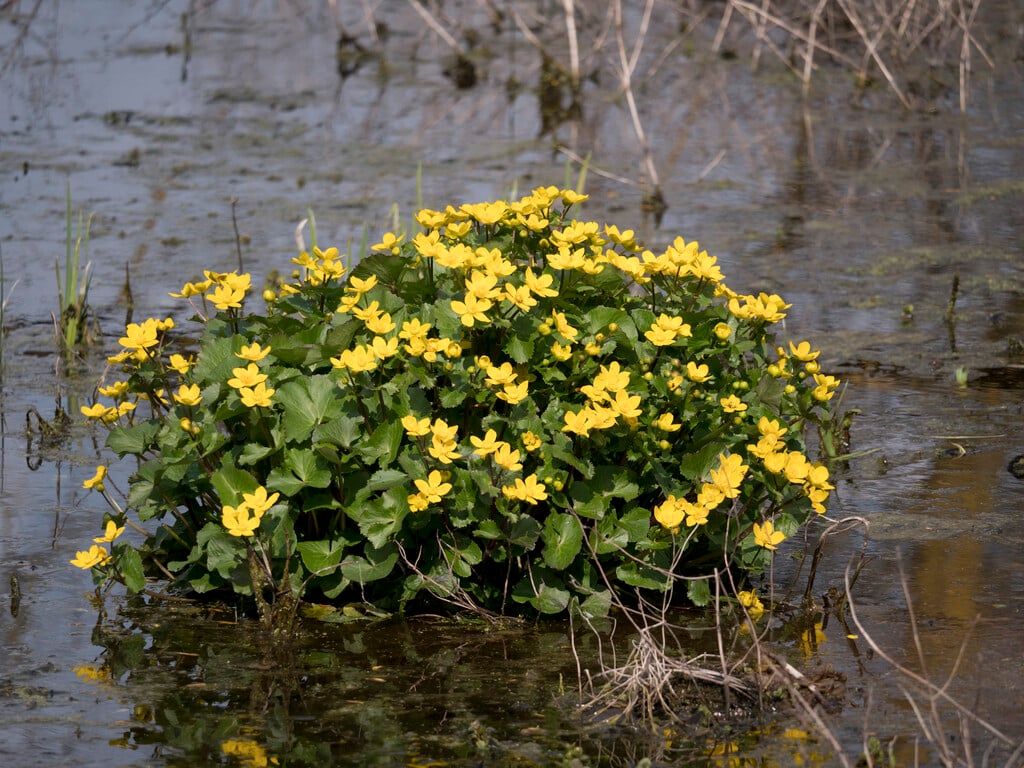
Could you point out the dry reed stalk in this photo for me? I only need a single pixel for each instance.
(871, 49)
(931, 724)
(812, 32)
(569, 7)
(438, 29)
(627, 65)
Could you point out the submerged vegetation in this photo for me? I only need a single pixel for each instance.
(514, 410)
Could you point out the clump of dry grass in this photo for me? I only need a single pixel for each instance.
(903, 42)
(659, 684)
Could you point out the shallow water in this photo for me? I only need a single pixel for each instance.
(857, 214)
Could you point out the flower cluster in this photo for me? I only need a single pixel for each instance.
(511, 406)
(244, 519)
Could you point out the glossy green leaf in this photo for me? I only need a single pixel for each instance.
(563, 538)
(307, 402)
(378, 563)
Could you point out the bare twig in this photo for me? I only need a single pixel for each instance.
(930, 687)
(627, 64)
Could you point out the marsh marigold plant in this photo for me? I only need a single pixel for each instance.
(512, 409)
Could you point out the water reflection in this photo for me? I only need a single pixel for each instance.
(202, 686)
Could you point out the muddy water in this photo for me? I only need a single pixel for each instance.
(160, 114)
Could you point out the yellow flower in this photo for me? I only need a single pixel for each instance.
(417, 502)
(188, 394)
(457, 230)
(249, 377)
(666, 329)
(414, 330)
(563, 327)
(531, 442)
(612, 378)
(360, 286)
(356, 360)
(528, 490)
(472, 310)
(705, 267)
(722, 331)
(766, 536)
(750, 601)
(433, 488)
(625, 238)
(443, 450)
(486, 445)
(765, 447)
(233, 280)
(817, 477)
(96, 481)
(192, 289)
(258, 501)
(626, 405)
(225, 297)
(571, 197)
(482, 284)
(368, 312)
(796, 467)
(111, 532)
(180, 363)
(138, 336)
(117, 389)
(416, 427)
(825, 388)
(709, 496)
(730, 473)
(817, 497)
(519, 296)
(124, 408)
(384, 348)
(561, 353)
(540, 285)
(388, 242)
(500, 375)
(775, 462)
(670, 513)
(258, 396)
(666, 423)
(95, 411)
(732, 404)
(486, 213)
(567, 258)
(696, 514)
(252, 352)
(443, 431)
(89, 558)
(660, 337)
(513, 393)
(381, 324)
(579, 422)
(803, 352)
(771, 428)
(697, 373)
(238, 521)
(506, 457)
